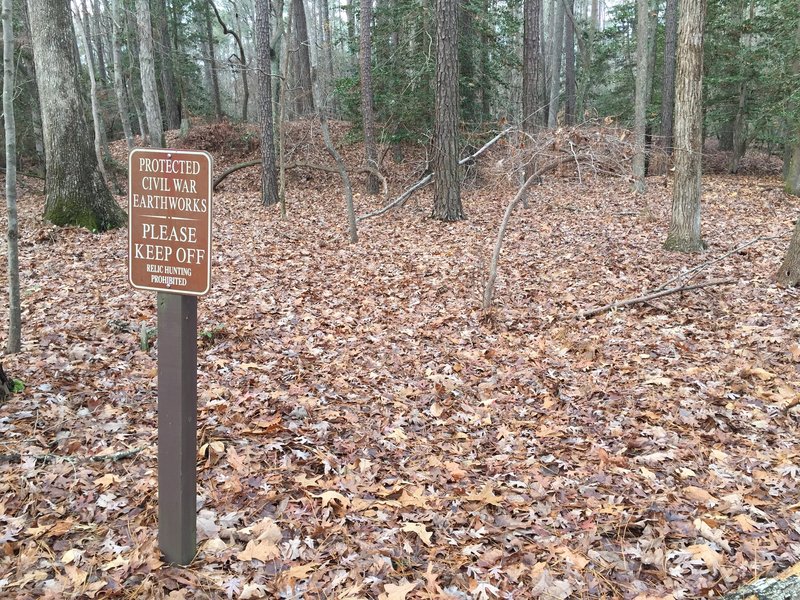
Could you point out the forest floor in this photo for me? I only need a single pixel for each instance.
(367, 431)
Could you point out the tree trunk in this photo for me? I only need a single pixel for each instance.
(300, 62)
(242, 58)
(13, 343)
(119, 81)
(76, 192)
(684, 229)
(269, 182)
(660, 162)
(640, 98)
(97, 32)
(327, 53)
(212, 68)
(172, 109)
(532, 101)
(569, 66)
(789, 271)
(446, 187)
(370, 148)
(148, 75)
(97, 118)
(555, 64)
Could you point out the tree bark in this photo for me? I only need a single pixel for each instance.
(119, 80)
(684, 230)
(555, 64)
(570, 86)
(13, 343)
(76, 192)
(212, 68)
(348, 189)
(446, 185)
(640, 98)
(269, 181)
(97, 32)
(97, 118)
(532, 101)
(789, 271)
(660, 162)
(172, 109)
(148, 75)
(300, 62)
(370, 147)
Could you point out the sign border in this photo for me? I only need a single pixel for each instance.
(131, 155)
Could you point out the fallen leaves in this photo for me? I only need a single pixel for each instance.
(366, 433)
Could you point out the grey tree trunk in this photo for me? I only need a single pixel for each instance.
(119, 80)
(301, 89)
(555, 64)
(147, 66)
(660, 161)
(370, 147)
(269, 182)
(97, 32)
(13, 343)
(172, 108)
(212, 68)
(684, 229)
(640, 98)
(789, 271)
(446, 184)
(774, 588)
(97, 118)
(569, 65)
(76, 192)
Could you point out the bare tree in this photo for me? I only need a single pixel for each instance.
(300, 62)
(684, 229)
(555, 62)
(13, 343)
(242, 59)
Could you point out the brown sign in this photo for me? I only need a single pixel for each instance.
(169, 221)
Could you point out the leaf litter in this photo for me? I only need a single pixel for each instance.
(366, 431)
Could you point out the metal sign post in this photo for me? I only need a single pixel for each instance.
(169, 251)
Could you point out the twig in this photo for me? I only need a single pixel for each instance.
(401, 199)
(652, 296)
(16, 457)
(702, 266)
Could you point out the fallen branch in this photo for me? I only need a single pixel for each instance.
(302, 165)
(488, 292)
(401, 199)
(706, 264)
(652, 296)
(16, 457)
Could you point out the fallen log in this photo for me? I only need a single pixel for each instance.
(585, 314)
(785, 586)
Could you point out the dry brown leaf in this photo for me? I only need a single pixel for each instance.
(420, 530)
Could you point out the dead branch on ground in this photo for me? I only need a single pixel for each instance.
(585, 314)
